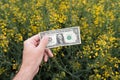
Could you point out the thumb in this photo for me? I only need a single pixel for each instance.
(43, 43)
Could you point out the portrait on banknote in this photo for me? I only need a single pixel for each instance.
(60, 38)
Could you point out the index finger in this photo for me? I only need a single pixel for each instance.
(35, 38)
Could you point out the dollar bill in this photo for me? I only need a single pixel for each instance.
(62, 37)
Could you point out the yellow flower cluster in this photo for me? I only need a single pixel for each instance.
(3, 38)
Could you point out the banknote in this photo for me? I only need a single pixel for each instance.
(62, 37)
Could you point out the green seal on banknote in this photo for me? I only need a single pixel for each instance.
(69, 37)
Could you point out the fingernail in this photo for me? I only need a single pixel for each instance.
(46, 60)
(52, 55)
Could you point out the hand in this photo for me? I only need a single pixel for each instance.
(34, 52)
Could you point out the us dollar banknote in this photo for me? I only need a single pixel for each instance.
(62, 37)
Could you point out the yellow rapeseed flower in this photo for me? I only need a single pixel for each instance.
(62, 55)
(14, 66)
(96, 54)
(101, 42)
(106, 74)
(116, 65)
(90, 57)
(18, 37)
(98, 75)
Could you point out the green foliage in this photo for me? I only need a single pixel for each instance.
(97, 58)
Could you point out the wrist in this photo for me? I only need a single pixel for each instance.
(30, 70)
(26, 73)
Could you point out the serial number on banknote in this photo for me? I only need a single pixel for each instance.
(62, 37)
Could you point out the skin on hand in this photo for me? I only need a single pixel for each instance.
(34, 52)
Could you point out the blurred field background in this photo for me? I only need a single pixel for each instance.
(97, 58)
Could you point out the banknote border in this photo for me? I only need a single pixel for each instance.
(64, 45)
(61, 29)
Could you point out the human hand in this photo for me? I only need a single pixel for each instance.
(34, 52)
